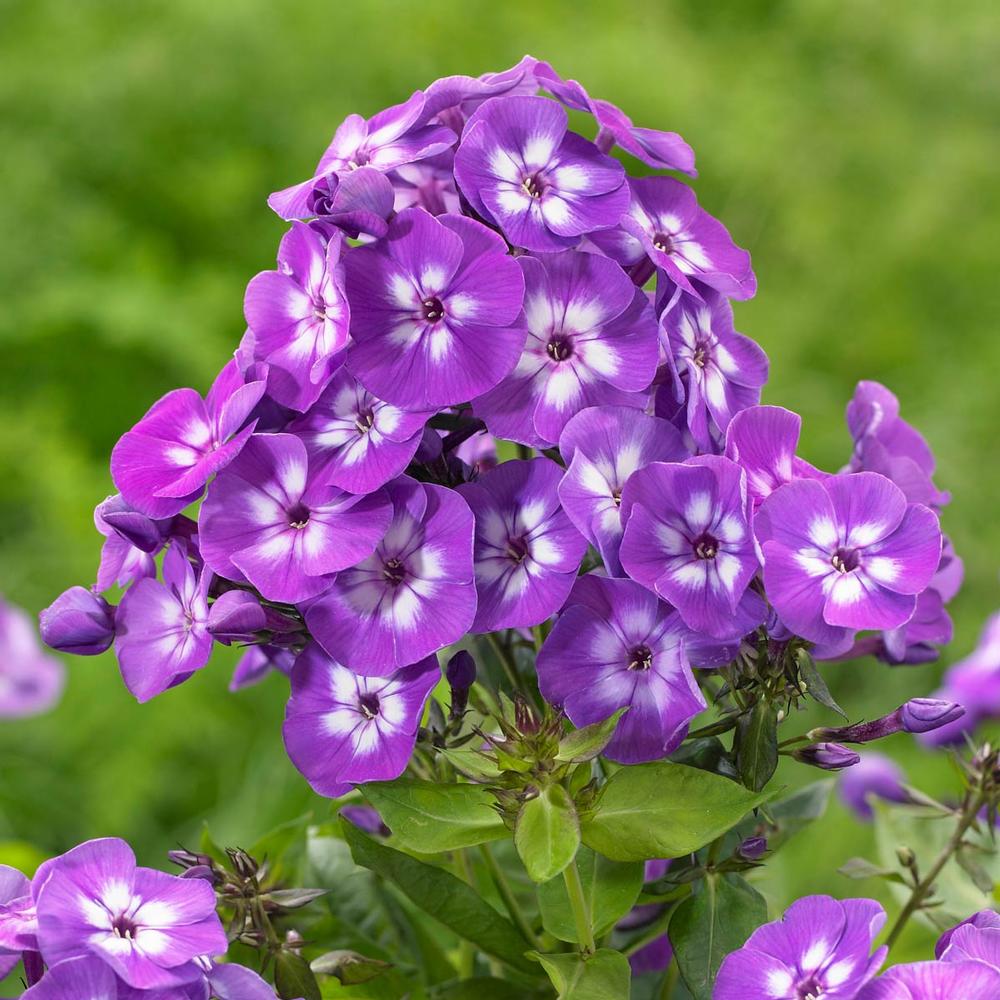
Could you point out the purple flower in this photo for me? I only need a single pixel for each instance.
(821, 947)
(874, 775)
(146, 925)
(591, 341)
(973, 682)
(78, 621)
(298, 316)
(271, 519)
(355, 440)
(356, 202)
(918, 715)
(414, 595)
(665, 224)
(365, 818)
(259, 661)
(341, 729)
(31, 681)
(238, 616)
(844, 554)
(984, 919)
(162, 628)
(617, 645)
(384, 142)
(826, 756)
(762, 440)
(887, 444)
(687, 537)
(527, 551)
(452, 99)
(82, 978)
(935, 981)
(604, 445)
(434, 311)
(163, 463)
(544, 186)
(660, 150)
(717, 371)
(15, 898)
(429, 185)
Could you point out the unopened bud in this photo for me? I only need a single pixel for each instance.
(461, 674)
(905, 856)
(753, 848)
(828, 756)
(78, 621)
(244, 865)
(921, 715)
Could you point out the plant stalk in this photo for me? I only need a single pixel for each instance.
(581, 911)
(507, 896)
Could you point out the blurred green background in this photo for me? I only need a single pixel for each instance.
(852, 146)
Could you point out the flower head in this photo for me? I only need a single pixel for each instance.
(617, 646)
(717, 371)
(935, 981)
(821, 947)
(146, 925)
(687, 537)
(544, 186)
(271, 519)
(31, 681)
(164, 462)
(298, 316)
(341, 729)
(844, 554)
(355, 440)
(665, 224)
(985, 919)
(162, 628)
(384, 142)
(434, 311)
(413, 595)
(527, 550)
(604, 445)
(81, 978)
(15, 900)
(591, 341)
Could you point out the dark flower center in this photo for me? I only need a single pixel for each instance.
(298, 516)
(663, 243)
(616, 496)
(394, 572)
(533, 186)
(517, 549)
(319, 309)
(365, 421)
(432, 309)
(810, 989)
(706, 546)
(701, 354)
(368, 704)
(640, 658)
(559, 348)
(123, 927)
(845, 560)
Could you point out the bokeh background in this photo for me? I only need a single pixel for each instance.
(852, 146)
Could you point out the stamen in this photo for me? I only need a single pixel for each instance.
(532, 185)
(640, 658)
(559, 348)
(394, 572)
(433, 309)
(706, 546)
(663, 243)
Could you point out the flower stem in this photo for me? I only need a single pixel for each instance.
(507, 896)
(973, 803)
(466, 953)
(581, 911)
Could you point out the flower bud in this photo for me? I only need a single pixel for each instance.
(189, 859)
(243, 864)
(203, 872)
(78, 621)
(752, 849)
(828, 756)
(905, 856)
(365, 818)
(461, 674)
(921, 715)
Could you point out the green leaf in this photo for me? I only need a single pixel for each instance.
(446, 898)
(428, 817)
(789, 815)
(757, 745)
(815, 685)
(664, 810)
(610, 888)
(348, 966)
(294, 979)
(585, 744)
(710, 924)
(605, 975)
(547, 833)
(706, 753)
(477, 988)
(470, 762)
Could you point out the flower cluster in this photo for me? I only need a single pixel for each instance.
(92, 924)
(493, 384)
(822, 947)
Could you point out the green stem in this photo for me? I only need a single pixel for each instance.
(581, 911)
(507, 896)
(506, 663)
(713, 729)
(922, 889)
(466, 953)
(651, 931)
(670, 981)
